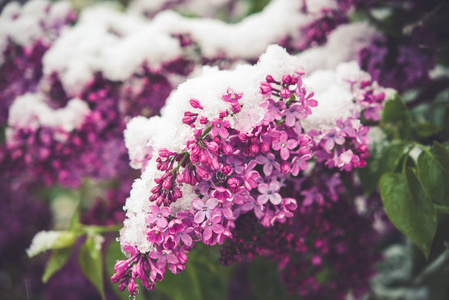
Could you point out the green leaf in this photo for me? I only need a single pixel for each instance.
(91, 262)
(380, 162)
(58, 259)
(74, 223)
(426, 129)
(433, 173)
(396, 115)
(182, 286)
(441, 155)
(409, 208)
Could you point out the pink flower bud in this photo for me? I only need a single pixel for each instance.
(132, 288)
(221, 114)
(294, 80)
(235, 107)
(195, 103)
(226, 169)
(254, 148)
(203, 120)
(243, 137)
(197, 132)
(164, 152)
(270, 79)
(285, 93)
(264, 148)
(285, 168)
(168, 183)
(201, 172)
(234, 184)
(227, 149)
(286, 79)
(265, 88)
(212, 146)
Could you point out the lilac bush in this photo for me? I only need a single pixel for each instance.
(210, 173)
(260, 150)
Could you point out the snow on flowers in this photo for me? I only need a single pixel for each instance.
(227, 144)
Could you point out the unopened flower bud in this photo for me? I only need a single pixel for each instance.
(227, 149)
(195, 103)
(270, 79)
(285, 168)
(285, 93)
(286, 79)
(203, 120)
(264, 148)
(164, 152)
(226, 169)
(254, 148)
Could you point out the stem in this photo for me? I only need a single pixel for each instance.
(433, 268)
(205, 132)
(101, 229)
(441, 208)
(175, 170)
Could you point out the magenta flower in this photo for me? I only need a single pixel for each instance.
(212, 225)
(346, 127)
(284, 145)
(235, 164)
(164, 256)
(221, 193)
(268, 163)
(330, 139)
(308, 102)
(231, 97)
(294, 112)
(269, 192)
(219, 127)
(265, 88)
(224, 209)
(204, 209)
(285, 93)
(300, 163)
(274, 110)
(155, 236)
(312, 196)
(185, 237)
(157, 215)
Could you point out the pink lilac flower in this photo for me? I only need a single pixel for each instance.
(284, 145)
(212, 225)
(293, 113)
(219, 128)
(269, 192)
(157, 215)
(268, 162)
(204, 209)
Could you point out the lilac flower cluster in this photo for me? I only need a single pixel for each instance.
(21, 52)
(234, 172)
(324, 251)
(404, 67)
(53, 152)
(324, 22)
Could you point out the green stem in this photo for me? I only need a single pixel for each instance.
(206, 132)
(441, 208)
(101, 229)
(175, 170)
